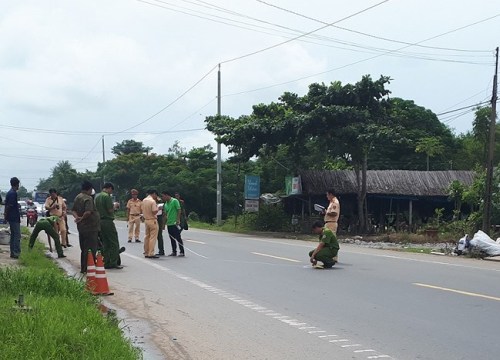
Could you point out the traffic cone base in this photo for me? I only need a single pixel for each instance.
(100, 278)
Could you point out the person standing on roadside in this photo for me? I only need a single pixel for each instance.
(88, 223)
(172, 218)
(184, 218)
(12, 216)
(51, 227)
(134, 216)
(55, 206)
(149, 211)
(159, 218)
(332, 213)
(109, 235)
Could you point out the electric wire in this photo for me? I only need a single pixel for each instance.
(303, 35)
(370, 35)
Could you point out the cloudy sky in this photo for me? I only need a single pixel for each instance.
(74, 71)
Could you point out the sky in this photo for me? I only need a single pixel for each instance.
(73, 73)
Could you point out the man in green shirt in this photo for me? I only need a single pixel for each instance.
(51, 228)
(109, 235)
(172, 218)
(327, 248)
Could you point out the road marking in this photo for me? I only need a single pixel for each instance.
(275, 257)
(378, 357)
(196, 241)
(251, 305)
(458, 291)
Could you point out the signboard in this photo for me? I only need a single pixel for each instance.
(293, 185)
(252, 187)
(252, 205)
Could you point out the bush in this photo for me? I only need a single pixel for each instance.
(193, 216)
(271, 218)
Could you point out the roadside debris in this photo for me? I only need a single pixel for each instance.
(480, 244)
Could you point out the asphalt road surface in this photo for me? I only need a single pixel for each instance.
(245, 297)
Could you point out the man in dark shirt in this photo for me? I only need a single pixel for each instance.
(13, 217)
(88, 223)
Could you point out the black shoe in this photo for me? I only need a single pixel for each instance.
(114, 267)
(122, 249)
(130, 241)
(64, 246)
(160, 254)
(14, 256)
(181, 255)
(137, 240)
(172, 254)
(69, 245)
(61, 256)
(153, 257)
(328, 265)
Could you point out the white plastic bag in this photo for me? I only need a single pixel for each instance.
(484, 243)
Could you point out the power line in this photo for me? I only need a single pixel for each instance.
(362, 60)
(303, 35)
(369, 35)
(170, 104)
(462, 108)
(351, 46)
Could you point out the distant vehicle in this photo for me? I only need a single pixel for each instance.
(40, 196)
(23, 206)
(39, 208)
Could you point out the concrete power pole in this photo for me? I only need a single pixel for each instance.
(219, 160)
(491, 150)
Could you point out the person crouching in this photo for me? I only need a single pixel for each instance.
(328, 247)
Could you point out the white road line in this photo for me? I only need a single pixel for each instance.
(196, 241)
(276, 257)
(251, 305)
(458, 291)
(379, 357)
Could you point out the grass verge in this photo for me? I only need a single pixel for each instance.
(63, 320)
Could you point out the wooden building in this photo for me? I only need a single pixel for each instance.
(399, 199)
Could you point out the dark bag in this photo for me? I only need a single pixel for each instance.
(185, 226)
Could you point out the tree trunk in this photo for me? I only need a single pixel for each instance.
(427, 162)
(363, 220)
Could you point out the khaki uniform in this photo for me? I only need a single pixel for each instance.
(149, 209)
(134, 218)
(331, 220)
(60, 213)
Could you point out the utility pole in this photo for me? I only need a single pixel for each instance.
(219, 160)
(103, 160)
(491, 150)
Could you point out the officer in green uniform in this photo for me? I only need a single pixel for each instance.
(109, 235)
(49, 225)
(327, 248)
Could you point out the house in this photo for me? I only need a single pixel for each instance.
(401, 199)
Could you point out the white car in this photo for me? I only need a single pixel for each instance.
(23, 206)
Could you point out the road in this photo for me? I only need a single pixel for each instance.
(245, 297)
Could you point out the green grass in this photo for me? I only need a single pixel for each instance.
(64, 321)
(227, 226)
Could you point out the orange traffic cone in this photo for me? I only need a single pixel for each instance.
(91, 284)
(100, 277)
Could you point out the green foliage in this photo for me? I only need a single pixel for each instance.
(130, 147)
(63, 323)
(271, 218)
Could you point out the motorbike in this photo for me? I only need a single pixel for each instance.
(31, 217)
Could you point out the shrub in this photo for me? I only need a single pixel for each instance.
(271, 218)
(193, 216)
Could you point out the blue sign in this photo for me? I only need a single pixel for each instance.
(252, 187)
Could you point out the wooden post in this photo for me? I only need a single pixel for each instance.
(410, 215)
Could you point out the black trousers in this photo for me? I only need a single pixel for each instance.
(88, 241)
(175, 237)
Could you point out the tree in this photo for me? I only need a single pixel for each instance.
(431, 146)
(130, 147)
